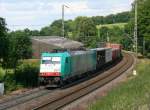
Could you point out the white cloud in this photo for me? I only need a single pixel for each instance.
(42, 12)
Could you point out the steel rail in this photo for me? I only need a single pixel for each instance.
(14, 101)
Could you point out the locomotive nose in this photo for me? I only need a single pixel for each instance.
(48, 74)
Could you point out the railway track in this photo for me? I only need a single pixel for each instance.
(56, 99)
(83, 89)
(16, 100)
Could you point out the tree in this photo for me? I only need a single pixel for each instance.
(143, 25)
(46, 31)
(55, 29)
(103, 34)
(84, 30)
(34, 33)
(69, 28)
(20, 47)
(113, 18)
(98, 20)
(87, 27)
(3, 41)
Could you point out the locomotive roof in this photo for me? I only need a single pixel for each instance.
(47, 54)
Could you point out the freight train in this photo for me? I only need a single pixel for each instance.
(59, 67)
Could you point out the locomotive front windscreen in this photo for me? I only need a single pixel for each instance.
(50, 64)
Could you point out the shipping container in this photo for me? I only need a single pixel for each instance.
(114, 54)
(100, 57)
(115, 46)
(108, 55)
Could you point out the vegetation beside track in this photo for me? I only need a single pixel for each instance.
(131, 95)
(2, 72)
(26, 76)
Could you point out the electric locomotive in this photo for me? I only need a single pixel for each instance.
(56, 68)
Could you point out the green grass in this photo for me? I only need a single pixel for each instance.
(120, 25)
(131, 95)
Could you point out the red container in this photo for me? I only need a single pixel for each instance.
(114, 46)
(114, 54)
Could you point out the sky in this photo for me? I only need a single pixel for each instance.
(35, 14)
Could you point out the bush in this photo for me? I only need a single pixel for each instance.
(27, 74)
(148, 55)
(2, 73)
(10, 83)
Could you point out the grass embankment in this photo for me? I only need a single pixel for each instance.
(131, 95)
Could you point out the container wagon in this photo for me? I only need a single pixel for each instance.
(116, 54)
(116, 49)
(103, 56)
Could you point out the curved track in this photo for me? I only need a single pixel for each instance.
(59, 98)
(87, 87)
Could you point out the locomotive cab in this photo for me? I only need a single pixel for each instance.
(52, 67)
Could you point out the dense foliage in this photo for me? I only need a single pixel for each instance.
(27, 74)
(14, 47)
(118, 18)
(143, 26)
(73, 27)
(84, 29)
(19, 48)
(83, 26)
(3, 41)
